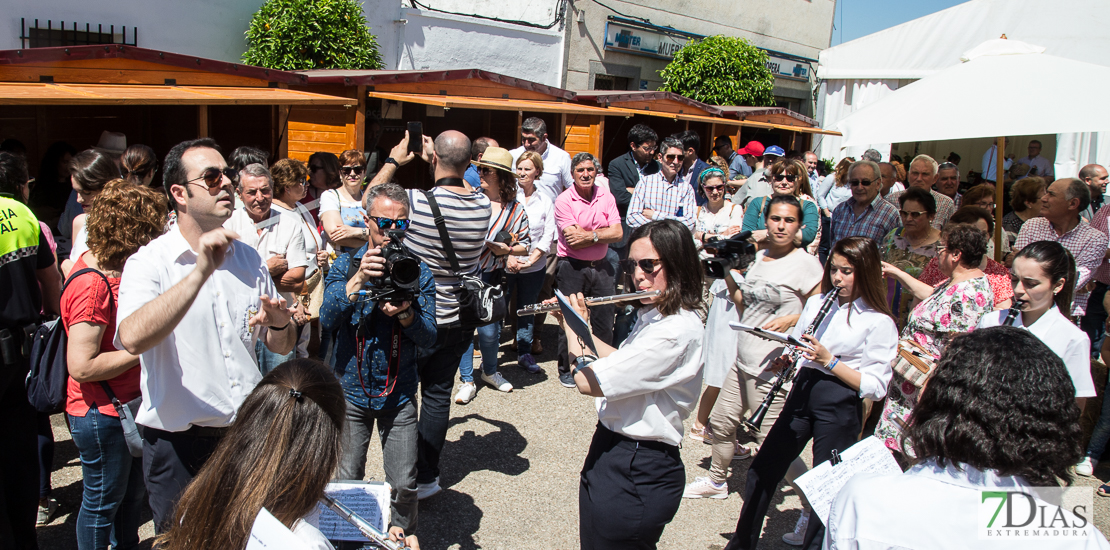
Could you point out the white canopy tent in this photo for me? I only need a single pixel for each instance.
(861, 72)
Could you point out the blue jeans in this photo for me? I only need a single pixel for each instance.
(113, 495)
(268, 360)
(528, 291)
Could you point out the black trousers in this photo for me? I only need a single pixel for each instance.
(628, 492)
(592, 279)
(170, 461)
(820, 407)
(437, 367)
(19, 467)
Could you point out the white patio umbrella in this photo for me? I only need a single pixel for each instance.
(1001, 88)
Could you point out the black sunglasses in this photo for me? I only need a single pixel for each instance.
(649, 265)
(788, 177)
(864, 183)
(352, 170)
(212, 179)
(387, 223)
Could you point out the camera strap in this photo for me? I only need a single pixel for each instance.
(393, 362)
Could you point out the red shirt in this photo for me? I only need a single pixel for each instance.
(86, 300)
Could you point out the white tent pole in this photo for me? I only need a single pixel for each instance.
(999, 196)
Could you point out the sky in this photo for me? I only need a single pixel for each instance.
(858, 18)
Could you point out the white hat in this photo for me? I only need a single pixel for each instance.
(112, 143)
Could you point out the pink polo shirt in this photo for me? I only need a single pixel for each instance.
(598, 213)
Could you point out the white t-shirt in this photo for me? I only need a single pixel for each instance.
(311, 536)
(771, 290)
(312, 239)
(278, 235)
(729, 215)
(652, 382)
(80, 243)
(1063, 338)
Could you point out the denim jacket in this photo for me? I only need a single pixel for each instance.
(339, 315)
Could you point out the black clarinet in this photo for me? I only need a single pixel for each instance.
(756, 419)
(1011, 315)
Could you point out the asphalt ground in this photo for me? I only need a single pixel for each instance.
(510, 474)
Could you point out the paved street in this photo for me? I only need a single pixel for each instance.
(510, 476)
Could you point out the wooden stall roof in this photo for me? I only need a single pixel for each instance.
(648, 101)
(779, 115)
(119, 64)
(496, 104)
(453, 82)
(24, 93)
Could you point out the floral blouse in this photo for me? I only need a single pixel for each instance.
(949, 311)
(897, 251)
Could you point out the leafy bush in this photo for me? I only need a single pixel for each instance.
(721, 70)
(311, 34)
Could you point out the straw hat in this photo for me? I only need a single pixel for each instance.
(112, 143)
(498, 158)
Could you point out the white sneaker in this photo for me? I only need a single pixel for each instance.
(425, 490)
(466, 393)
(1086, 467)
(799, 535)
(703, 487)
(497, 381)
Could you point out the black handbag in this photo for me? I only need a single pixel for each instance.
(480, 303)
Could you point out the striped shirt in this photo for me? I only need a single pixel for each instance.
(669, 199)
(512, 218)
(876, 221)
(1100, 221)
(1086, 244)
(466, 218)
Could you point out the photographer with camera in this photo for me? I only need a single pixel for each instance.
(380, 311)
(769, 295)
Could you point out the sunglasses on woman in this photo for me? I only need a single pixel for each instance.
(212, 179)
(713, 188)
(648, 265)
(387, 223)
(352, 170)
(911, 214)
(788, 177)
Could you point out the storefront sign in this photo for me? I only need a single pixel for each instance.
(654, 42)
(788, 68)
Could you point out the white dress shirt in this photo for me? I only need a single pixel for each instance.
(277, 235)
(201, 372)
(652, 382)
(556, 176)
(990, 170)
(1063, 338)
(863, 339)
(312, 239)
(1043, 166)
(541, 226)
(931, 506)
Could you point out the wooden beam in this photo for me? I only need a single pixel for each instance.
(360, 120)
(519, 123)
(281, 127)
(202, 121)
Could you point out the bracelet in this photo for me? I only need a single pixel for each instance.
(829, 367)
(285, 326)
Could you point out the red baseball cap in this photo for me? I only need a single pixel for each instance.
(753, 148)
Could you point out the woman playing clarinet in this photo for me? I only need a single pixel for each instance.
(848, 359)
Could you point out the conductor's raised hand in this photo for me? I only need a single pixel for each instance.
(212, 248)
(273, 313)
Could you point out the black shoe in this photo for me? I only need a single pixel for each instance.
(567, 380)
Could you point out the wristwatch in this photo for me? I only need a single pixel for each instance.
(595, 236)
(404, 315)
(392, 161)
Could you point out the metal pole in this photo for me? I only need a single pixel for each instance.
(999, 195)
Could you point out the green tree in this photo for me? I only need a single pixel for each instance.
(311, 34)
(721, 70)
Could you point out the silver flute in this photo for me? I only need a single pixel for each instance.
(590, 302)
(365, 527)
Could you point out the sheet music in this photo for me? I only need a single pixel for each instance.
(821, 484)
(370, 500)
(268, 533)
(576, 322)
(780, 337)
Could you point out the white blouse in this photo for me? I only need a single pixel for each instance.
(652, 382)
(864, 339)
(931, 506)
(541, 225)
(1063, 338)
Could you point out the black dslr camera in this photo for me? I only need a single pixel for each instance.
(402, 272)
(732, 253)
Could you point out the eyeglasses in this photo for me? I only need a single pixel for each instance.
(709, 188)
(352, 170)
(649, 265)
(864, 183)
(301, 183)
(387, 223)
(671, 158)
(911, 214)
(788, 177)
(212, 179)
(989, 207)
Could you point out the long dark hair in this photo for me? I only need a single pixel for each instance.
(330, 163)
(1058, 263)
(1000, 400)
(92, 169)
(280, 453)
(138, 161)
(863, 254)
(675, 246)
